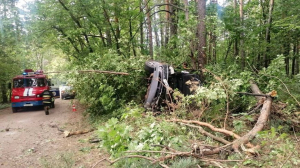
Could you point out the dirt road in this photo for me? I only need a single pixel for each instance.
(33, 139)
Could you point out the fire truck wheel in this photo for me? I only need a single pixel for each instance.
(14, 109)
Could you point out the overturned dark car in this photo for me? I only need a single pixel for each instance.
(162, 82)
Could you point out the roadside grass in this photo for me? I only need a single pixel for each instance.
(62, 160)
(4, 105)
(279, 146)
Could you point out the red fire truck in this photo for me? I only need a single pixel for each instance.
(28, 89)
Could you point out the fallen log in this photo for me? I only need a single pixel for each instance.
(261, 122)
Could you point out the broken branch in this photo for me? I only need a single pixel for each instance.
(201, 130)
(107, 72)
(95, 71)
(261, 122)
(253, 94)
(68, 133)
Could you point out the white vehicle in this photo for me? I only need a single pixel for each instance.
(66, 92)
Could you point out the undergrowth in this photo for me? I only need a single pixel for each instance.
(3, 106)
(134, 131)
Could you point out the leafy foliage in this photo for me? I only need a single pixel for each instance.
(107, 94)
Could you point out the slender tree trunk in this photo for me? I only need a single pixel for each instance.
(215, 49)
(286, 47)
(297, 58)
(173, 19)
(186, 7)
(268, 36)
(167, 28)
(77, 22)
(161, 28)
(149, 30)
(242, 50)
(156, 36)
(294, 59)
(210, 47)
(113, 31)
(108, 38)
(235, 43)
(141, 28)
(201, 33)
(4, 92)
(131, 37)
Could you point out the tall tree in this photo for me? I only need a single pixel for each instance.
(149, 24)
(242, 50)
(268, 34)
(201, 31)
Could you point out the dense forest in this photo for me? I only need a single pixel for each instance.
(232, 44)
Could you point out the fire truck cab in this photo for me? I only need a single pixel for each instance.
(28, 88)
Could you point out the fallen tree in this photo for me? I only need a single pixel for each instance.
(262, 120)
(200, 150)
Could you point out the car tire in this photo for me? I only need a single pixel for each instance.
(14, 109)
(150, 65)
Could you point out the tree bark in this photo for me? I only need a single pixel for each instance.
(235, 43)
(173, 19)
(167, 28)
(294, 59)
(186, 7)
(242, 50)
(141, 28)
(297, 58)
(286, 48)
(148, 14)
(201, 31)
(268, 36)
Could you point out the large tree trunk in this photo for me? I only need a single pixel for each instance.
(201, 31)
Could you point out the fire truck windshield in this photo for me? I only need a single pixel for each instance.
(29, 82)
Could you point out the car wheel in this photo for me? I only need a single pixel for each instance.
(150, 65)
(14, 109)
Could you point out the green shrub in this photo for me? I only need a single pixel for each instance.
(107, 94)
